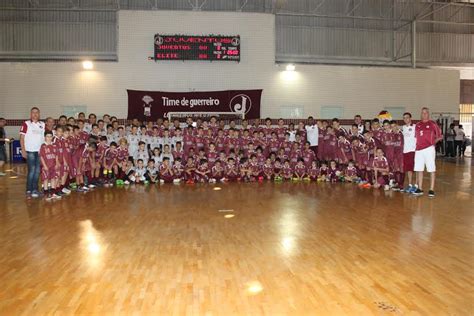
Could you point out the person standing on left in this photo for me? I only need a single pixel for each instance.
(31, 138)
(427, 134)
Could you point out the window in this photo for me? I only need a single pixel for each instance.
(330, 112)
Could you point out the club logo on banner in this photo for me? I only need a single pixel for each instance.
(151, 105)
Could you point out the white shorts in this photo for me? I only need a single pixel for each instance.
(425, 157)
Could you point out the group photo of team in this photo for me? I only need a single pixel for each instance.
(80, 154)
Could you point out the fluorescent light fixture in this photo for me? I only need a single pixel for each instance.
(290, 67)
(87, 64)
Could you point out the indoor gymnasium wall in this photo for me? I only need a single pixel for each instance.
(310, 90)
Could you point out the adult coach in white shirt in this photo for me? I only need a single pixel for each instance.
(31, 139)
(409, 147)
(312, 134)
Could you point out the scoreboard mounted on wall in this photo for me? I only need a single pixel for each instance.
(196, 47)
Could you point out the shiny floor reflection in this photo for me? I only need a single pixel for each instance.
(288, 249)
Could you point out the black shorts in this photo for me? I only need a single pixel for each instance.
(3, 153)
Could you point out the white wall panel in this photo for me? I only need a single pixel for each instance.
(358, 89)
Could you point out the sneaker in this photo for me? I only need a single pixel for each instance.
(431, 193)
(126, 182)
(66, 191)
(60, 193)
(55, 196)
(386, 187)
(35, 194)
(413, 189)
(79, 189)
(396, 188)
(407, 189)
(91, 186)
(85, 189)
(2, 174)
(418, 192)
(48, 197)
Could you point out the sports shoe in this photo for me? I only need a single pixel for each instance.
(413, 189)
(407, 189)
(126, 182)
(418, 192)
(48, 197)
(386, 187)
(66, 191)
(35, 194)
(85, 189)
(55, 196)
(92, 186)
(2, 174)
(431, 193)
(395, 188)
(80, 189)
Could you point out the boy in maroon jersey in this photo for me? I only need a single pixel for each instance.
(60, 143)
(188, 139)
(330, 144)
(268, 128)
(268, 169)
(287, 171)
(381, 170)
(122, 151)
(387, 144)
(377, 132)
(189, 170)
(361, 158)
(178, 151)
(427, 134)
(231, 170)
(344, 150)
(397, 164)
(313, 171)
(255, 169)
(323, 172)
(321, 152)
(85, 166)
(217, 172)
(338, 129)
(50, 166)
(286, 144)
(110, 163)
(244, 167)
(334, 172)
(99, 157)
(295, 154)
(308, 155)
(202, 172)
(351, 174)
(281, 130)
(68, 150)
(166, 172)
(178, 171)
(277, 167)
(282, 155)
(221, 141)
(199, 139)
(274, 143)
(212, 155)
(300, 171)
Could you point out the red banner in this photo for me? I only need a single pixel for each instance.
(151, 105)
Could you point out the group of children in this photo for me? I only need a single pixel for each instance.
(83, 155)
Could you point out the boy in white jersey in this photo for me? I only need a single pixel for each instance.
(141, 154)
(133, 138)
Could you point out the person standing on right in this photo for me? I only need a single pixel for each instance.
(427, 134)
(409, 147)
(31, 139)
(312, 134)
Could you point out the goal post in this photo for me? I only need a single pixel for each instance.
(206, 115)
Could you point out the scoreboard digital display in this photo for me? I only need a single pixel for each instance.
(190, 47)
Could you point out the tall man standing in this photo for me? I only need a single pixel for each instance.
(409, 147)
(312, 134)
(31, 139)
(427, 134)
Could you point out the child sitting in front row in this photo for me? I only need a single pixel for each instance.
(300, 170)
(380, 167)
(351, 173)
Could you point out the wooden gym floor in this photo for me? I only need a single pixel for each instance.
(289, 249)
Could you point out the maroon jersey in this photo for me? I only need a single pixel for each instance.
(300, 170)
(360, 154)
(308, 157)
(277, 166)
(83, 137)
(313, 172)
(231, 171)
(233, 143)
(287, 171)
(380, 163)
(188, 142)
(261, 158)
(333, 173)
(378, 137)
(60, 145)
(344, 151)
(397, 142)
(166, 173)
(212, 157)
(371, 145)
(273, 145)
(426, 134)
(294, 156)
(110, 156)
(49, 154)
(341, 131)
(268, 169)
(283, 157)
(351, 171)
(217, 172)
(221, 143)
(330, 145)
(199, 142)
(281, 131)
(122, 154)
(323, 171)
(86, 160)
(178, 154)
(254, 168)
(321, 144)
(100, 152)
(286, 145)
(178, 171)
